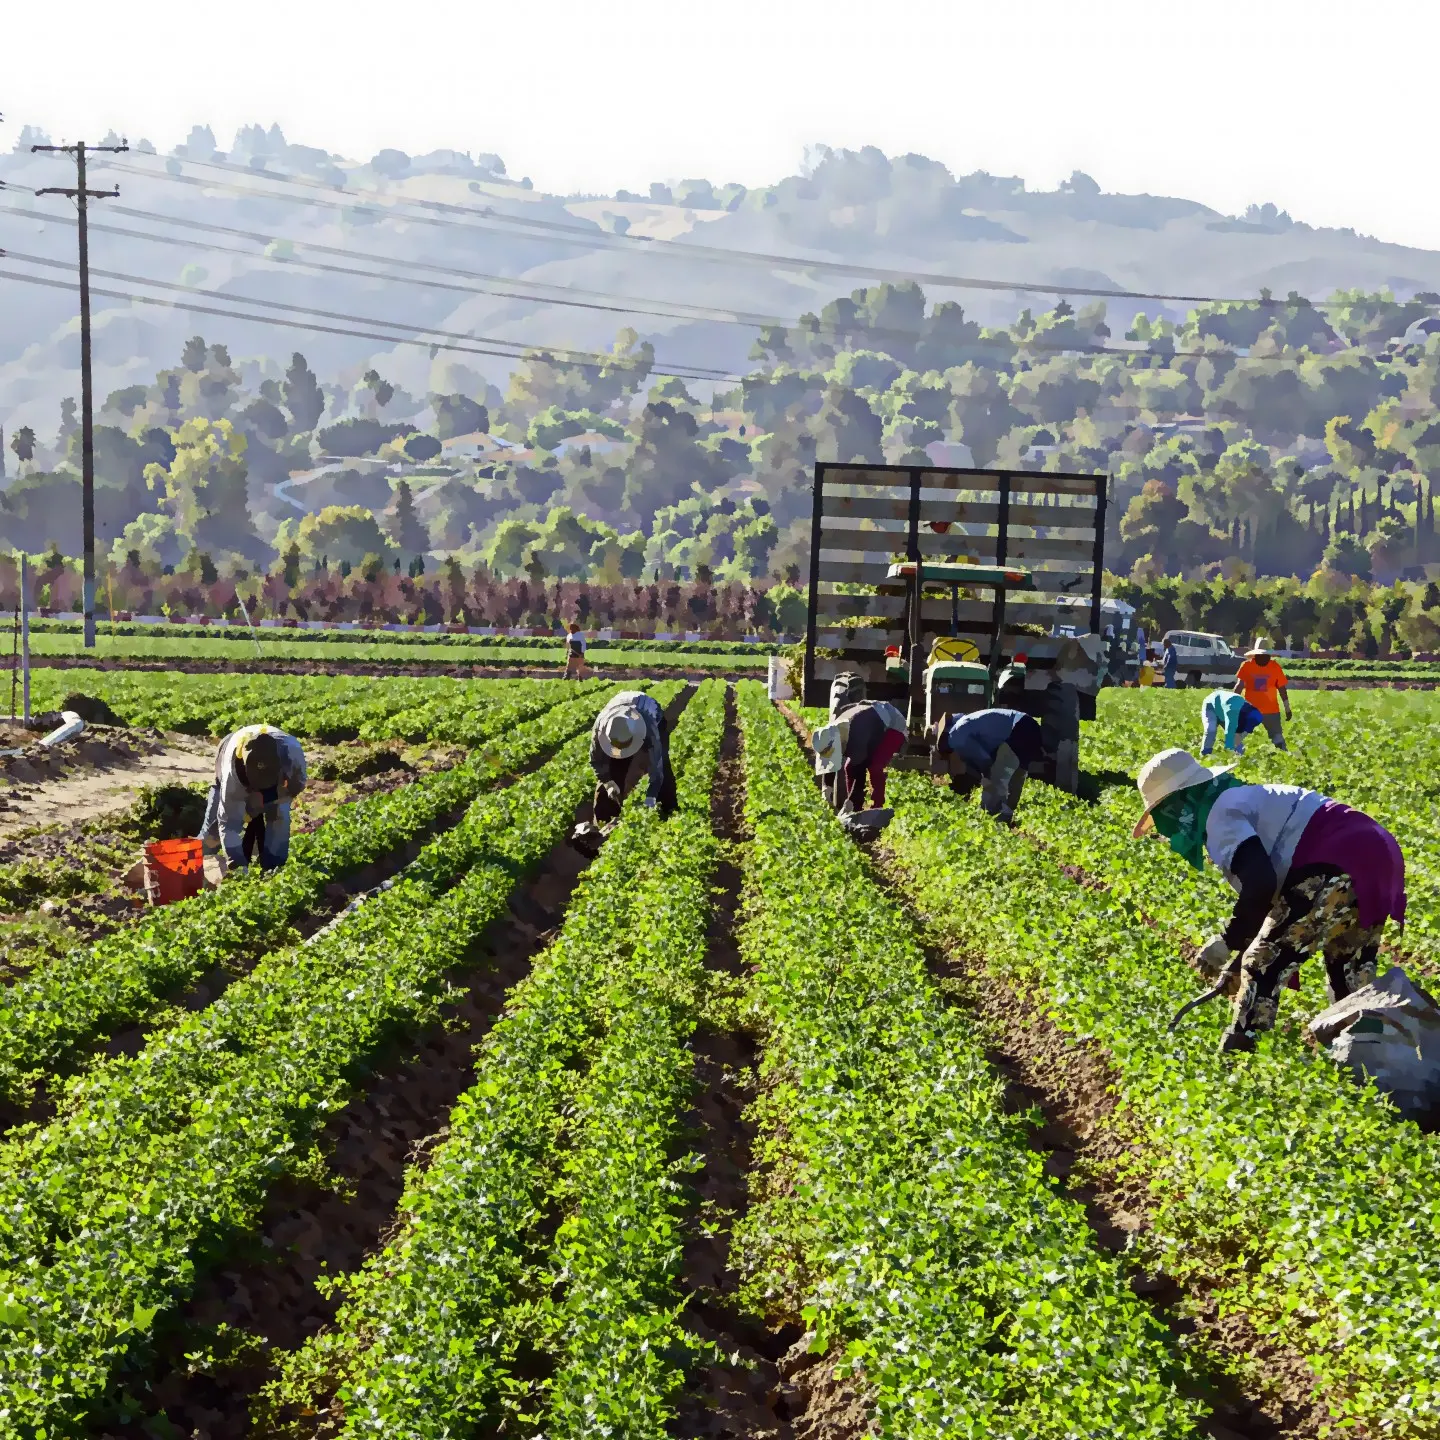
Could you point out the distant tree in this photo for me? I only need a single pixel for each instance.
(420, 447)
(303, 397)
(193, 355)
(458, 415)
(358, 436)
(22, 442)
(382, 390)
(69, 424)
(405, 527)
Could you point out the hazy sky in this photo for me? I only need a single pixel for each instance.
(1321, 106)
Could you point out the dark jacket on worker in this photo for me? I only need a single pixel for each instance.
(976, 738)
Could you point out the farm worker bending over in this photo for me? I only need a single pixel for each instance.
(1263, 684)
(993, 748)
(258, 771)
(1312, 875)
(1229, 716)
(874, 732)
(631, 739)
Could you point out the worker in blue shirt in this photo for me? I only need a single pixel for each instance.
(992, 749)
(1170, 663)
(1229, 716)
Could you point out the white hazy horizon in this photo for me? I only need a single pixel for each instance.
(1225, 103)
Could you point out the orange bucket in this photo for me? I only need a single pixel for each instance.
(174, 869)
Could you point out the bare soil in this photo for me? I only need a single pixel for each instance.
(98, 772)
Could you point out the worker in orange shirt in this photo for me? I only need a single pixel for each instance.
(1262, 682)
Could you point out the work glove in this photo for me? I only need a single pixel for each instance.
(651, 802)
(1213, 959)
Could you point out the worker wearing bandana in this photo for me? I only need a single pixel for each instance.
(1312, 875)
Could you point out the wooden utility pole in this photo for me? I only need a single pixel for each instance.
(81, 195)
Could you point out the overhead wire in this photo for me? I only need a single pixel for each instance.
(274, 320)
(593, 235)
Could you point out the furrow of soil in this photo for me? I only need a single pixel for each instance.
(1258, 1390)
(763, 1383)
(731, 1397)
(262, 1299)
(1255, 1389)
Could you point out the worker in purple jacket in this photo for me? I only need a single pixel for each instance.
(1312, 874)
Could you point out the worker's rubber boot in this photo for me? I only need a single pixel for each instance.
(1235, 1041)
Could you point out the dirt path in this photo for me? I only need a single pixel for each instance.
(103, 778)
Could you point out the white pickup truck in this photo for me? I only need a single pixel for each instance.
(1204, 659)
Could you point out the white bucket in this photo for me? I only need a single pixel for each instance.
(779, 680)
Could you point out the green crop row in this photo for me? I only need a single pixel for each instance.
(322, 707)
(903, 1215)
(109, 1214)
(1278, 1187)
(95, 990)
(574, 1113)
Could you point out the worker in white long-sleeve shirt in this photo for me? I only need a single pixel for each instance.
(259, 770)
(1311, 875)
(631, 739)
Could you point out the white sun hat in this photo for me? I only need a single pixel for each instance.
(1260, 647)
(622, 734)
(1163, 774)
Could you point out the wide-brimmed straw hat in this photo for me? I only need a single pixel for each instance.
(622, 734)
(1163, 774)
(1260, 647)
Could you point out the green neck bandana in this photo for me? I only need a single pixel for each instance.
(1181, 817)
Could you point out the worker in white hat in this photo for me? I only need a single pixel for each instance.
(631, 739)
(259, 770)
(1312, 874)
(1261, 679)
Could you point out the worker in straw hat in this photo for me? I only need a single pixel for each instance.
(1312, 874)
(1262, 682)
(631, 739)
(259, 770)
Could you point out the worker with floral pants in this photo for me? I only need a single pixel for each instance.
(1318, 912)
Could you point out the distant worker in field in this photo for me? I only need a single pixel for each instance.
(1263, 683)
(574, 653)
(1170, 663)
(990, 748)
(858, 745)
(1312, 874)
(1227, 716)
(259, 770)
(631, 739)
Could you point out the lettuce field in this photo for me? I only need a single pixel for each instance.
(736, 1130)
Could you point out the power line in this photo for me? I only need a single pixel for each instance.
(276, 321)
(481, 283)
(560, 353)
(594, 237)
(714, 317)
